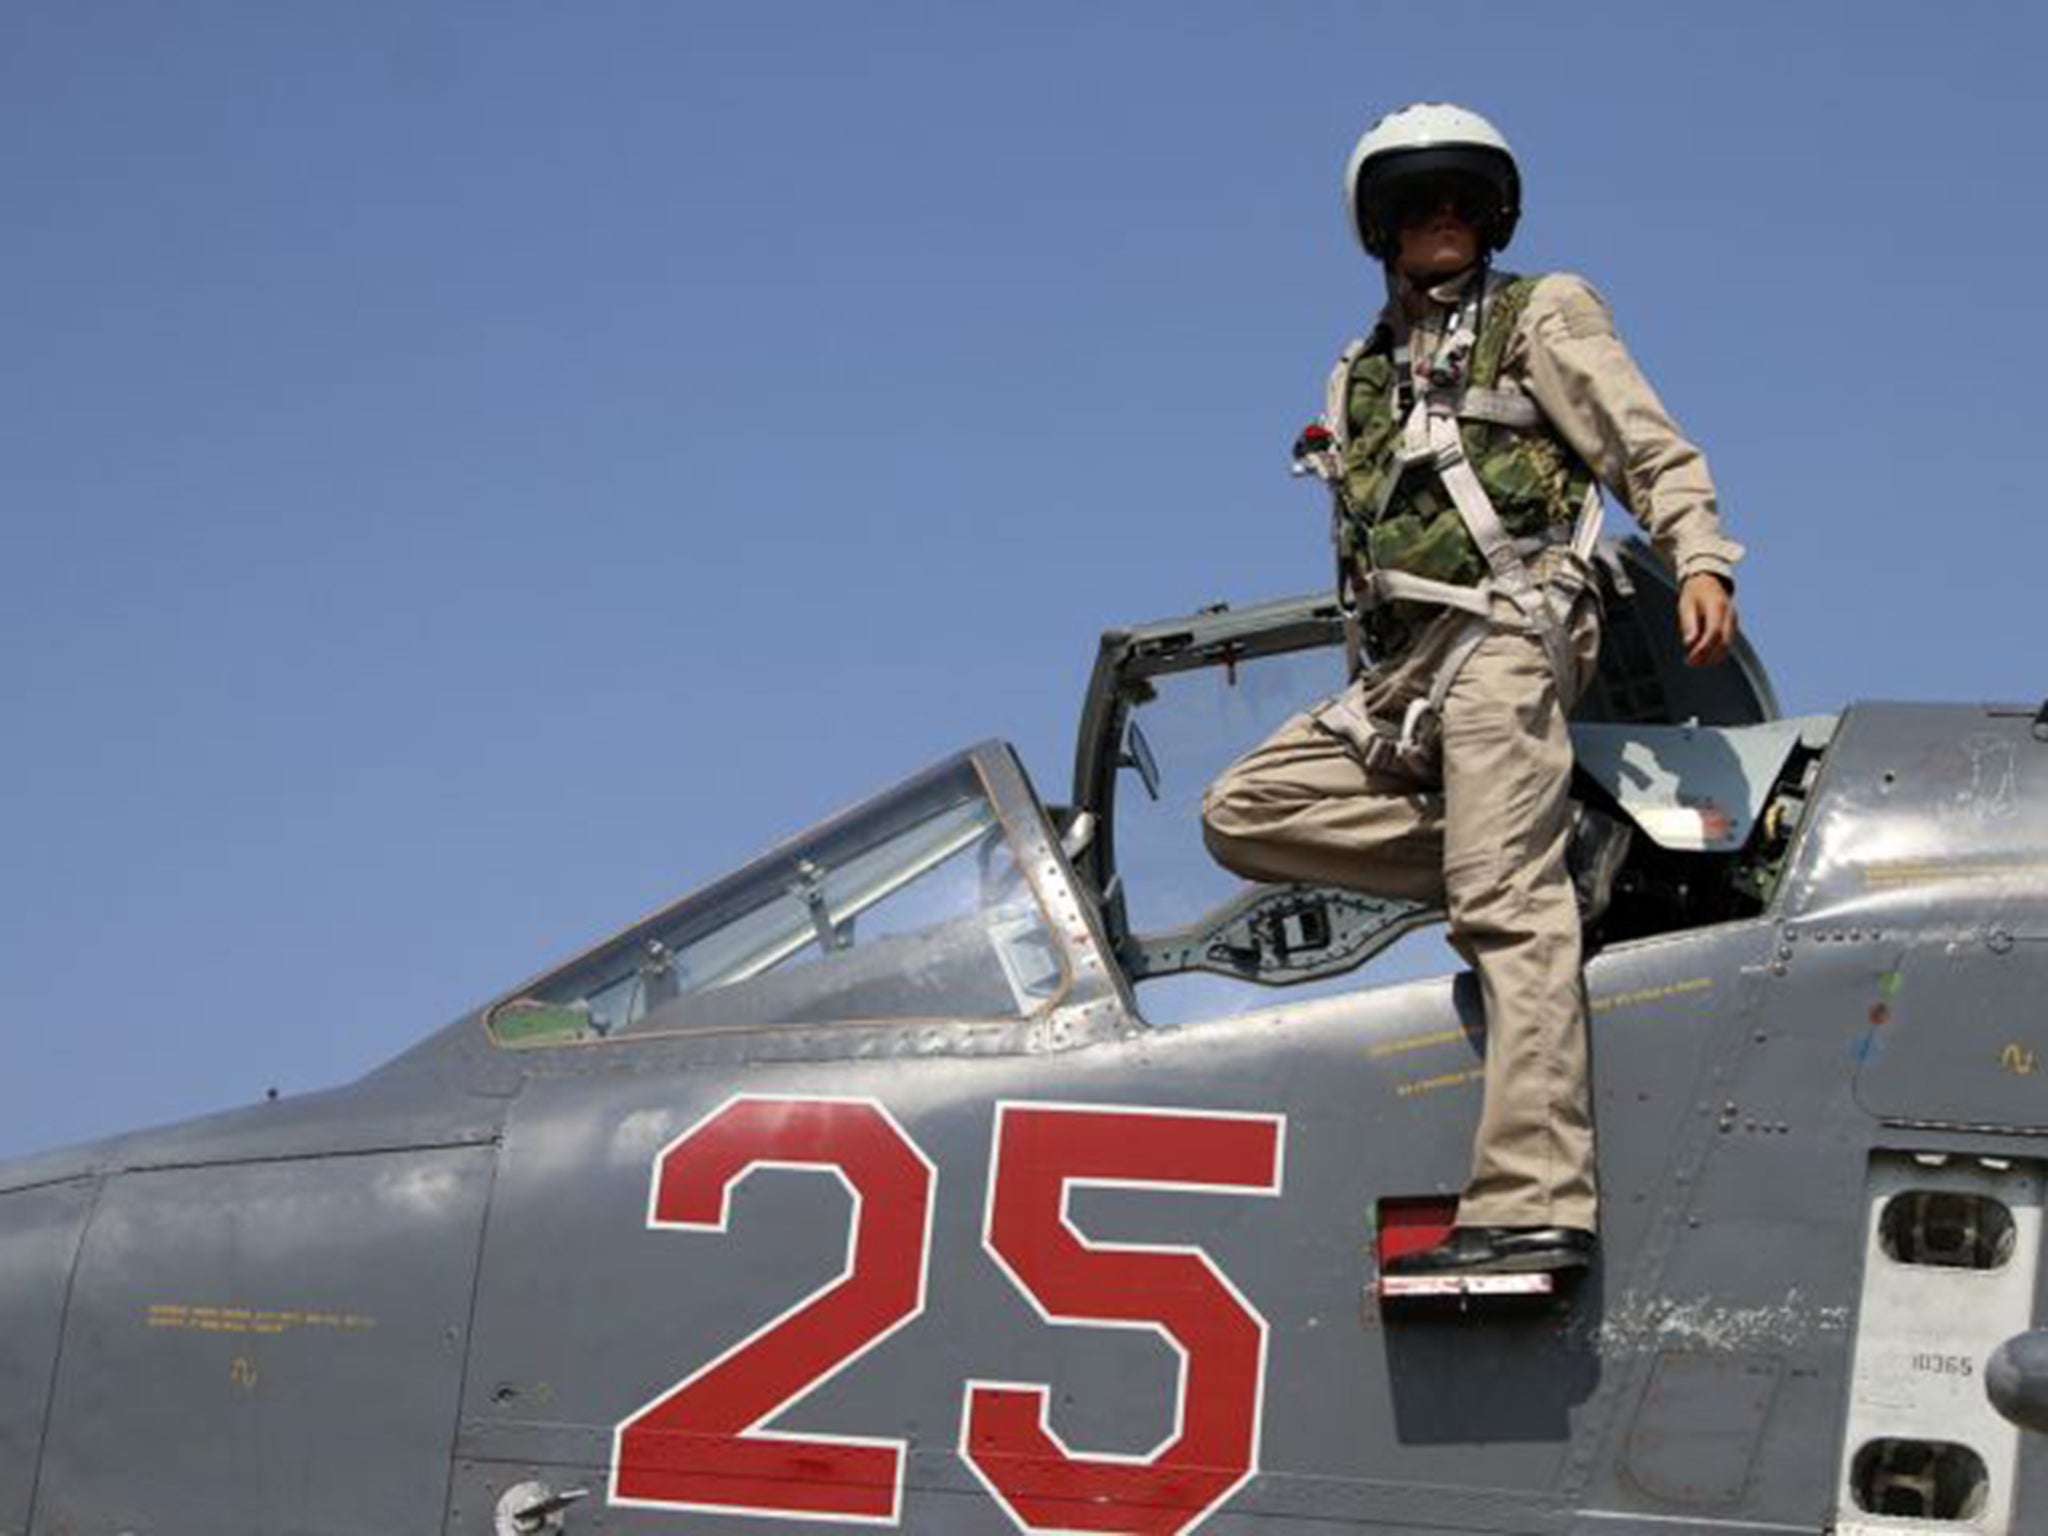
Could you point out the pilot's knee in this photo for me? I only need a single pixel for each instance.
(1233, 830)
(1222, 807)
(1224, 828)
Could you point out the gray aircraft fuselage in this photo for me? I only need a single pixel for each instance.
(858, 1188)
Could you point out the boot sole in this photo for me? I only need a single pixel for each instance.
(1544, 1261)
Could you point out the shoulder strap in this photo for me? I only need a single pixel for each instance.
(1337, 391)
(1504, 309)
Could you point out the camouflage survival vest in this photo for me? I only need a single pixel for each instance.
(1398, 517)
(1448, 492)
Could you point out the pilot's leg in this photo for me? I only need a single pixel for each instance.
(1301, 806)
(1531, 1202)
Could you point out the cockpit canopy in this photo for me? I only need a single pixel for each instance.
(913, 905)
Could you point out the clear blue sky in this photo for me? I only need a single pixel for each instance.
(472, 472)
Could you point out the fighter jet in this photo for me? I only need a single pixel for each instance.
(977, 1163)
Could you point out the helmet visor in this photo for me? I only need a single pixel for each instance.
(1417, 200)
(1484, 181)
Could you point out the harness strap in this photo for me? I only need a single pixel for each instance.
(1430, 434)
(1474, 506)
(1337, 393)
(1586, 529)
(1403, 586)
(1431, 704)
(1434, 398)
(1502, 407)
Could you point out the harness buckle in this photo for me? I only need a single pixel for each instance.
(1409, 744)
(1448, 369)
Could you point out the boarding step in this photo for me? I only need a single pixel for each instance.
(1407, 1224)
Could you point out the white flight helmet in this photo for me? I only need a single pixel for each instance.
(1429, 139)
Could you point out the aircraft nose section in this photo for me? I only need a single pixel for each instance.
(39, 1236)
(2016, 1380)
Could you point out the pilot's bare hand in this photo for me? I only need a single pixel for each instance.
(1706, 619)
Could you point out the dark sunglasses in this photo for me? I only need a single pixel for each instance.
(1472, 201)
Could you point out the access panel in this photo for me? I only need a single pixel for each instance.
(39, 1232)
(1952, 1247)
(268, 1348)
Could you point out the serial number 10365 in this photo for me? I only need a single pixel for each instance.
(1944, 1365)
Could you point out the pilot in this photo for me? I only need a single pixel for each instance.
(1465, 440)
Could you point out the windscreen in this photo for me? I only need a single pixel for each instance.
(911, 907)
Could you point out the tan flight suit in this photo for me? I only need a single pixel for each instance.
(1482, 831)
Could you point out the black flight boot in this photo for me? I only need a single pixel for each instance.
(1500, 1251)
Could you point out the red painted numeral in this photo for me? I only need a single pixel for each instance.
(699, 1445)
(1042, 1151)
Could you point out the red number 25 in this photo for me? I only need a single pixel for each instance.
(701, 1446)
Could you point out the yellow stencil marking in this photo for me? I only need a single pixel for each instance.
(1406, 1043)
(243, 1373)
(1416, 1042)
(250, 1319)
(2018, 1060)
(1653, 994)
(1937, 871)
(1441, 1081)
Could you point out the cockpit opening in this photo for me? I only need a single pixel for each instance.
(1694, 761)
